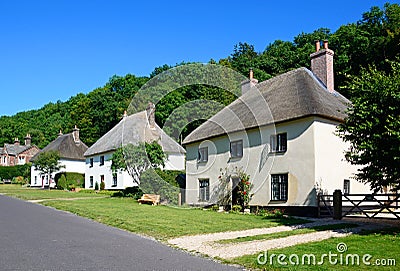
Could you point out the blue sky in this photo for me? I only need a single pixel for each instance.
(52, 50)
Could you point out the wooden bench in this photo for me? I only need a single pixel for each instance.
(150, 198)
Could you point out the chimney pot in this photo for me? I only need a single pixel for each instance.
(250, 83)
(322, 66)
(125, 114)
(317, 45)
(75, 134)
(16, 141)
(151, 110)
(28, 140)
(251, 74)
(325, 44)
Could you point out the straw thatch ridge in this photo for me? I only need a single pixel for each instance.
(131, 130)
(292, 95)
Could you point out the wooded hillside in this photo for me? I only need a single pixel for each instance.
(369, 41)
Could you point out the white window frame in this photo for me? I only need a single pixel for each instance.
(204, 190)
(236, 148)
(279, 187)
(279, 143)
(202, 155)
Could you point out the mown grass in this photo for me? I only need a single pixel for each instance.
(164, 222)
(283, 234)
(26, 193)
(383, 244)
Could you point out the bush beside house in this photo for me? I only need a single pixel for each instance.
(69, 180)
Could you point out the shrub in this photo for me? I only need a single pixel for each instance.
(69, 180)
(215, 208)
(96, 186)
(102, 185)
(236, 209)
(20, 180)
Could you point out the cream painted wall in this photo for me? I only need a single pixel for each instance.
(124, 180)
(175, 161)
(69, 166)
(307, 160)
(331, 166)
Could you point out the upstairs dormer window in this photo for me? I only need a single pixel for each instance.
(279, 143)
(202, 155)
(91, 162)
(102, 160)
(237, 149)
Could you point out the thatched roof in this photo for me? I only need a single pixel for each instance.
(133, 129)
(67, 148)
(292, 95)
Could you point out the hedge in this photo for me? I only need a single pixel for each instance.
(69, 180)
(8, 173)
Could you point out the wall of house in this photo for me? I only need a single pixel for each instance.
(331, 167)
(175, 161)
(68, 166)
(259, 162)
(314, 158)
(124, 180)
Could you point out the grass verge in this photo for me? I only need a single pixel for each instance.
(383, 246)
(163, 222)
(25, 193)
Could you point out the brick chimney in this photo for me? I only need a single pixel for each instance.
(28, 140)
(322, 64)
(16, 141)
(75, 134)
(247, 85)
(151, 110)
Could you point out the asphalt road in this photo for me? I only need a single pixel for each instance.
(35, 237)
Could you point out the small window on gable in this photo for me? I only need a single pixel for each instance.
(279, 142)
(346, 187)
(203, 155)
(237, 148)
(102, 160)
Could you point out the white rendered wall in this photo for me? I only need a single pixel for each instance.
(314, 153)
(175, 161)
(68, 166)
(331, 167)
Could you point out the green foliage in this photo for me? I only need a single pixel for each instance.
(8, 173)
(370, 41)
(152, 183)
(236, 209)
(373, 127)
(138, 158)
(48, 162)
(96, 186)
(69, 180)
(20, 180)
(102, 186)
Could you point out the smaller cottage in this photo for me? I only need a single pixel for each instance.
(17, 154)
(71, 150)
(139, 127)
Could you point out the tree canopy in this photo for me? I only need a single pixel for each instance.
(373, 127)
(372, 40)
(48, 162)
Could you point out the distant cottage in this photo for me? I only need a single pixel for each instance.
(139, 127)
(17, 154)
(71, 150)
(282, 133)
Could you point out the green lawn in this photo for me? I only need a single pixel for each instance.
(163, 222)
(382, 245)
(25, 193)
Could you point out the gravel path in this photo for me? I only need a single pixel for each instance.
(206, 243)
